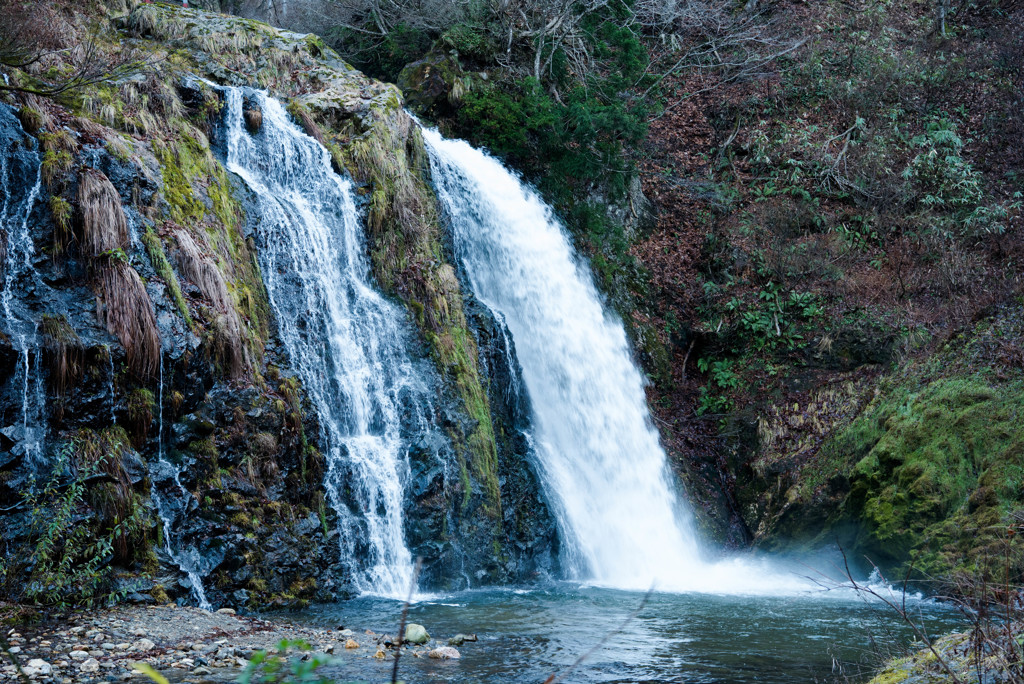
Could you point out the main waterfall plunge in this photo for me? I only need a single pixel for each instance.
(601, 463)
(621, 520)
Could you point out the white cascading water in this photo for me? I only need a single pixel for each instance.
(347, 344)
(20, 188)
(600, 461)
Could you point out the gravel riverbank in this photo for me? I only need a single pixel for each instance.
(185, 644)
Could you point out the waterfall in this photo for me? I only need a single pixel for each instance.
(113, 392)
(347, 344)
(598, 455)
(174, 512)
(20, 188)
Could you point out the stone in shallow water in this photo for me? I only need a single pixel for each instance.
(351, 643)
(444, 653)
(416, 634)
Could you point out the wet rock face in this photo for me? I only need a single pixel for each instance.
(242, 454)
(236, 457)
(460, 545)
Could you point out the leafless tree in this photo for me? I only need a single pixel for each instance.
(34, 35)
(712, 37)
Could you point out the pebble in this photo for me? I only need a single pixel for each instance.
(15, 649)
(90, 665)
(78, 655)
(351, 643)
(226, 611)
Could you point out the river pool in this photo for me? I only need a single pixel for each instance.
(525, 635)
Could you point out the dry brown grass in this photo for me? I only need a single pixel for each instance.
(125, 308)
(199, 268)
(103, 224)
(63, 351)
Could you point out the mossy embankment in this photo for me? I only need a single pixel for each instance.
(926, 479)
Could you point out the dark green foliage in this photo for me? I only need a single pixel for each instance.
(69, 560)
(381, 58)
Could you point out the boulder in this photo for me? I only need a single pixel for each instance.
(444, 653)
(431, 84)
(416, 634)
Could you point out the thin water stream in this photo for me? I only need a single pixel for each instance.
(20, 189)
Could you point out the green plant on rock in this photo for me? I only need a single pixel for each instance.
(158, 258)
(68, 563)
(141, 404)
(60, 210)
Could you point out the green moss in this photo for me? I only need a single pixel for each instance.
(141, 404)
(60, 210)
(55, 166)
(158, 258)
(189, 172)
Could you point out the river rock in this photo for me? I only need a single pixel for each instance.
(90, 665)
(141, 645)
(78, 655)
(444, 653)
(351, 643)
(416, 634)
(460, 639)
(38, 667)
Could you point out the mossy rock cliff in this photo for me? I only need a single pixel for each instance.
(212, 392)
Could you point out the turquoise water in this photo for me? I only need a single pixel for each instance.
(528, 635)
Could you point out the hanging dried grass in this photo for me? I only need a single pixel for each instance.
(103, 224)
(63, 353)
(199, 268)
(125, 308)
